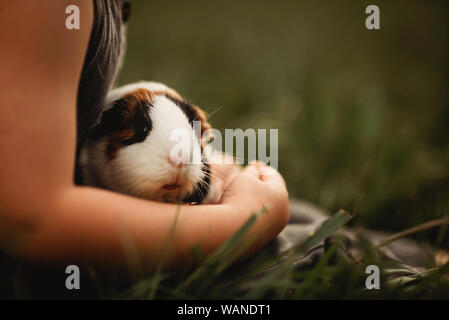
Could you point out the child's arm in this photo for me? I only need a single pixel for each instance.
(43, 215)
(92, 225)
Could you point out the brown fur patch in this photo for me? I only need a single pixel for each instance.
(202, 116)
(141, 95)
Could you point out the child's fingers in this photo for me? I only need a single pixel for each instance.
(252, 170)
(268, 174)
(265, 174)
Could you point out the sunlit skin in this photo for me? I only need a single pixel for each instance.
(57, 221)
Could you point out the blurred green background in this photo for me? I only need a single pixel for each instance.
(363, 116)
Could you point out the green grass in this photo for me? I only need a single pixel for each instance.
(336, 275)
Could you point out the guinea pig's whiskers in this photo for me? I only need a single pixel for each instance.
(206, 186)
(210, 174)
(204, 183)
(200, 191)
(213, 112)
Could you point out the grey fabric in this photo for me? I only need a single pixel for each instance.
(403, 249)
(305, 218)
(302, 212)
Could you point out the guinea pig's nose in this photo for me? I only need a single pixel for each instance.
(175, 163)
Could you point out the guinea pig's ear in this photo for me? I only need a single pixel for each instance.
(205, 125)
(110, 122)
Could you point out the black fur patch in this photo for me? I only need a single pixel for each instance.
(187, 108)
(201, 189)
(127, 122)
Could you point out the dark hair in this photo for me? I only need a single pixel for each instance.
(100, 67)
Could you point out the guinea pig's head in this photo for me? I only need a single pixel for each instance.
(135, 146)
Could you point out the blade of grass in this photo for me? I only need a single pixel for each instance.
(220, 255)
(327, 228)
(156, 278)
(315, 273)
(415, 229)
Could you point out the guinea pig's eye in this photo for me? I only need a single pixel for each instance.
(143, 132)
(139, 135)
(126, 11)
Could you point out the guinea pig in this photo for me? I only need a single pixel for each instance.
(129, 148)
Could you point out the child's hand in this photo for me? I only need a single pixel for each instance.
(223, 171)
(258, 186)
